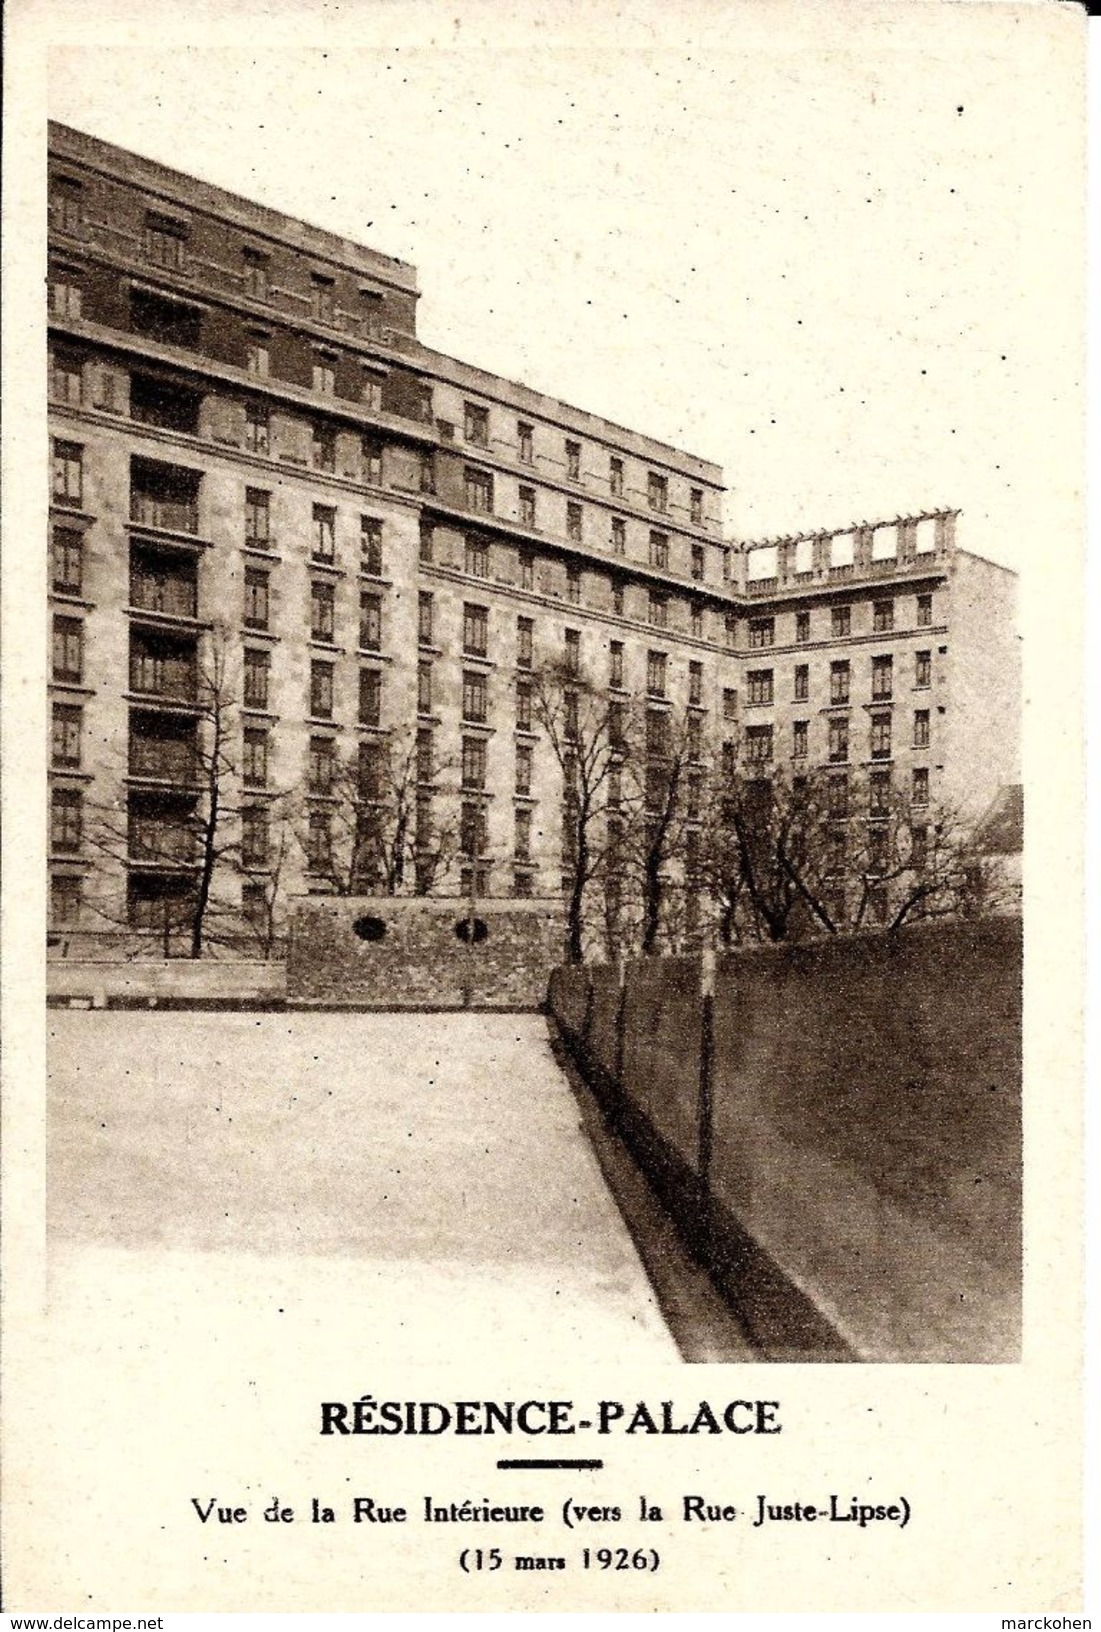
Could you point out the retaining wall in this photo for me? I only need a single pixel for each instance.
(159, 983)
(836, 1129)
(420, 962)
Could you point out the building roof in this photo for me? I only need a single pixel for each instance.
(1000, 832)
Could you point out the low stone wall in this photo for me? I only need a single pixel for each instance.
(836, 1129)
(160, 983)
(417, 959)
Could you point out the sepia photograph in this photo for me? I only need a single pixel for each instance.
(550, 554)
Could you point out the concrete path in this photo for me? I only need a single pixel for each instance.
(418, 1185)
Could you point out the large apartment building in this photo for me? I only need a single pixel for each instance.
(279, 517)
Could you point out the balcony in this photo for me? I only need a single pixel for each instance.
(163, 840)
(164, 496)
(162, 591)
(166, 671)
(163, 759)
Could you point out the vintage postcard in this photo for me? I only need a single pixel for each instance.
(543, 809)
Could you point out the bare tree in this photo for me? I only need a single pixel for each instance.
(663, 816)
(374, 826)
(590, 736)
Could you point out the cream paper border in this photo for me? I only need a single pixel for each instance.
(989, 1456)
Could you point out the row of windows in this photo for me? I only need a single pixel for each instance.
(762, 631)
(760, 739)
(760, 683)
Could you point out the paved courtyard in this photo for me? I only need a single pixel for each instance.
(419, 1184)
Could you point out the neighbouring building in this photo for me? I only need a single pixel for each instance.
(276, 515)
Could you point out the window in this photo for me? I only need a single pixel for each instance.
(728, 759)
(696, 620)
(257, 517)
(257, 428)
(802, 628)
(370, 546)
(425, 546)
(573, 651)
(66, 819)
(615, 476)
(476, 557)
(659, 550)
(476, 424)
(257, 598)
(256, 274)
(655, 673)
(920, 785)
(924, 611)
(695, 506)
(324, 532)
(573, 522)
(695, 683)
(475, 630)
(762, 632)
(730, 703)
(321, 690)
(525, 436)
(730, 630)
(68, 650)
(524, 639)
(257, 672)
(527, 506)
(839, 740)
(841, 621)
(759, 682)
(881, 736)
(66, 378)
(257, 355)
(165, 241)
(617, 597)
(370, 621)
(323, 448)
(320, 770)
(424, 618)
(619, 536)
(68, 722)
(472, 828)
(478, 487)
(324, 373)
(424, 688)
(919, 847)
(371, 456)
(65, 898)
(923, 669)
(658, 609)
(657, 491)
(523, 705)
(66, 203)
(523, 835)
(322, 298)
(67, 561)
(427, 459)
(474, 762)
(879, 793)
(800, 731)
(802, 682)
(474, 697)
(573, 461)
(882, 678)
(370, 390)
(66, 293)
(425, 755)
(573, 583)
(68, 474)
(527, 569)
(883, 616)
(254, 769)
(839, 681)
(657, 733)
(370, 697)
(523, 768)
(921, 728)
(615, 676)
(837, 795)
(617, 726)
(697, 562)
(695, 736)
(758, 744)
(319, 841)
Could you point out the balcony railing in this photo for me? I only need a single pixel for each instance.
(174, 679)
(166, 761)
(174, 515)
(152, 838)
(172, 594)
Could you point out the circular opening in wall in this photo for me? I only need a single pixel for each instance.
(369, 929)
(472, 929)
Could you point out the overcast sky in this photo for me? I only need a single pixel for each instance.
(824, 249)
